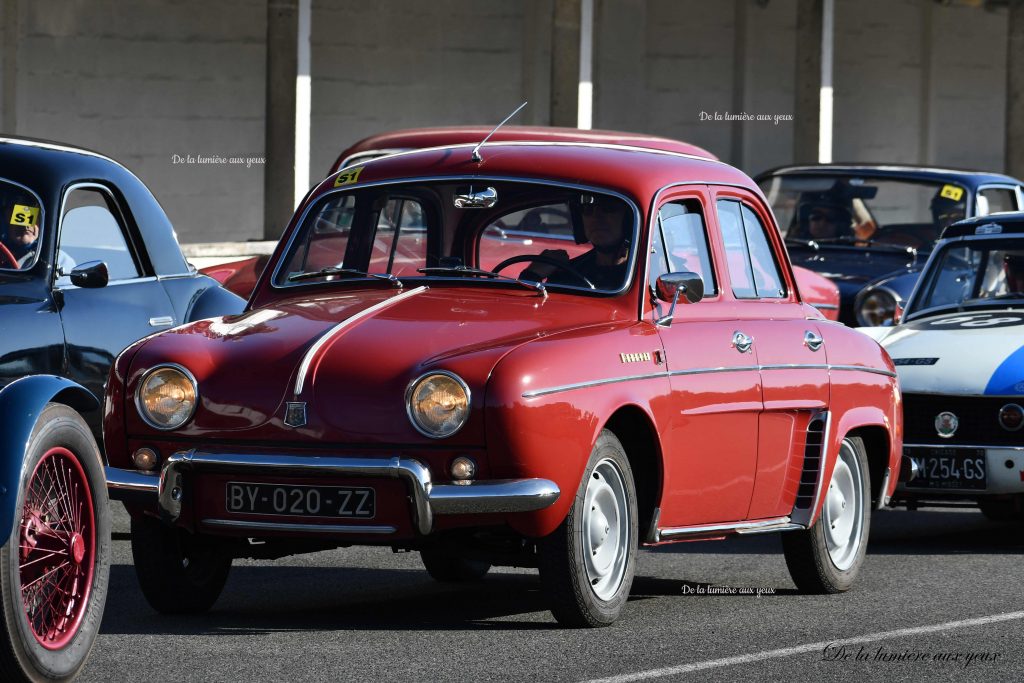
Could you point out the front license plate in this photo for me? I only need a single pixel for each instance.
(300, 501)
(948, 468)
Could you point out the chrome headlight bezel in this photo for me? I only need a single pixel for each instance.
(140, 408)
(862, 299)
(411, 413)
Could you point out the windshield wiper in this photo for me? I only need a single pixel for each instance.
(334, 270)
(463, 270)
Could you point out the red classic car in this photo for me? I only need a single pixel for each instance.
(240, 276)
(647, 375)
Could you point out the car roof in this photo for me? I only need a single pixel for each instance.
(637, 172)
(963, 176)
(418, 138)
(1009, 223)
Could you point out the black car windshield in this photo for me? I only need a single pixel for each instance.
(481, 231)
(979, 273)
(20, 234)
(861, 211)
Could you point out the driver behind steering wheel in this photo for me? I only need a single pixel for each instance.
(606, 224)
(21, 232)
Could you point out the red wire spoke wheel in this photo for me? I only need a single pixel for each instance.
(57, 548)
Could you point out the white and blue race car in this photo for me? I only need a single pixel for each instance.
(959, 352)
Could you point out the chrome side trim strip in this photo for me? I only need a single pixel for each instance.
(862, 368)
(824, 307)
(944, 446)
(307, 360)
(534, 393)
(304, 528)
(760, 527)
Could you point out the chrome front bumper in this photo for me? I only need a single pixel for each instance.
(168, 488)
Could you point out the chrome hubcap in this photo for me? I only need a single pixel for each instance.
(843, 513)
(605, 529)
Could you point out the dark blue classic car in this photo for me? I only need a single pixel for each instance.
(870, 228)
(88, 264)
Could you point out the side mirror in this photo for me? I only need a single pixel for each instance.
(90, 275)
(897, 315)
(671, 286)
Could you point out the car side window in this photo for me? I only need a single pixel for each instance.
(754, 272)
(685, 236)
(92, 229)
(996, 199)
(400, 241)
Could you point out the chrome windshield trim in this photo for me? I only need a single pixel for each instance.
(634, 255)
(303, 528)
(1018, 449)
(534, 393)
(307, 360)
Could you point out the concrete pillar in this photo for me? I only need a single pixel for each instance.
(282, 70)
(10, 40)
(537, 69)
(620, 53)
(807, 85)
(565, 63)
(739, 82)
(1015, 90)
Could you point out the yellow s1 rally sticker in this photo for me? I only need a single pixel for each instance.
(24, 215)
(348, 176)
(952, 192)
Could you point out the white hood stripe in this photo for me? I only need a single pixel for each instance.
(314, 350)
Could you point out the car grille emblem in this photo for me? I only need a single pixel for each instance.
(946, 424)
(295, 414)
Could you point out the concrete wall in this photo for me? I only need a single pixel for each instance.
(385, 65)
(144, 80)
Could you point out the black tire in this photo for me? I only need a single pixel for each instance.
(448, 568)
(574, 599)
(810, 562)
(61, 447)
(1006, 510)
(179, 572)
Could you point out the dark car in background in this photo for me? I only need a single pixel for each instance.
(89, 264)
(870, 228)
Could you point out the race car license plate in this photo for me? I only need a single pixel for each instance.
(948, 468)
(300, 501)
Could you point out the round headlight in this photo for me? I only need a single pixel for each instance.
(1011, 417)
(877, 308)
(438, 404)
(167, 397)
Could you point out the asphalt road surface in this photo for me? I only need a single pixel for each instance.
(940, 598)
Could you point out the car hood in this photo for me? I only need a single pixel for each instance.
(350, 357)
(973, 353)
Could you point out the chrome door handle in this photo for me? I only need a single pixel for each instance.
(161, 321)
(742, 342)
(813, 340)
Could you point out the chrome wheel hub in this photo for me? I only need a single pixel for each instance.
(605, 529)
(843, 512)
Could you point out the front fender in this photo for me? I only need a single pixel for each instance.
(21, 403)
(214, 301)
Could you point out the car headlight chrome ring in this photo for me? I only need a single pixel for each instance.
(437, 404)
(876, 308)
(167, 396)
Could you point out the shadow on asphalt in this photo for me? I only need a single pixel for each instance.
(893, 532)
(267, 599)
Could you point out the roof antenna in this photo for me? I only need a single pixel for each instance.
(476, 150)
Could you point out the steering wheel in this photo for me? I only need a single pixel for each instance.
(530, 258)
(6, 255)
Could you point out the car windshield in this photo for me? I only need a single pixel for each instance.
(20, 234)
(974, 274)
(481, 231)
(863, 212)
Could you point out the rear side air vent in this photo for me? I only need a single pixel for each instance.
(813, 462)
